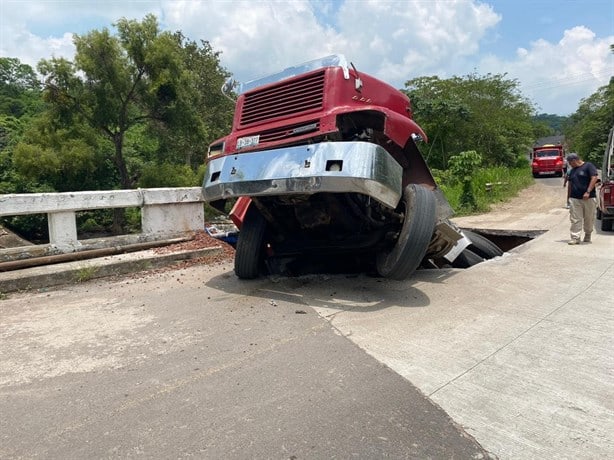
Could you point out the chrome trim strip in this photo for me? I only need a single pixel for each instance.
(365, 168)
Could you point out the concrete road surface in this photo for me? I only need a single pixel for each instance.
(192, 364)
(517, 351)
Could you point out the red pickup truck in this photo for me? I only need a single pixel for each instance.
(605, 197)
(548, 159)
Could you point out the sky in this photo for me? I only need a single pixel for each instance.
(557, 50)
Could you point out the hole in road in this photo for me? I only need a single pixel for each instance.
(507, 239)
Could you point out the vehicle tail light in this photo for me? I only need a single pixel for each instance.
(607, 194)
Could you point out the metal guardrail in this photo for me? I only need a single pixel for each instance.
(165, 212)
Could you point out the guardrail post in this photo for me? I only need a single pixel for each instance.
(63, 229)
(169, 212)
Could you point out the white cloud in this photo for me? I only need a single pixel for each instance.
(414, 38)
(30, 48)
(559, 74)
(393, 40)
(28, 28)
(255, 37)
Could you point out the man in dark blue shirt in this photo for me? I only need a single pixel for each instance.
(582, 197)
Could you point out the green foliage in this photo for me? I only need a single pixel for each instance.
(32, 227)
(19, 88)
(462, 168)
(168, 175)
(90, 225)
(148, 92)
(85, 274)
(464, 165)
(67, 159)
(588, 128)
(133, 220)
(489, 186)
(483, 113)
(549, 125)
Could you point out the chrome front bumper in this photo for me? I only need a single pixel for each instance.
(328, 167)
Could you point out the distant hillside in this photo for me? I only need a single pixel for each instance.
(554, 122)
(549, 140)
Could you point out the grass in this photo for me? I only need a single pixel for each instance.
(85, 274)
(505, 183)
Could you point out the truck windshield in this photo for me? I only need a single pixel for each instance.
(335, 60)
(548, 153)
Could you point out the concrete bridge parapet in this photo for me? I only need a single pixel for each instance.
(165, 212)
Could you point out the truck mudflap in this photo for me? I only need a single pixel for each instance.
(327, 167)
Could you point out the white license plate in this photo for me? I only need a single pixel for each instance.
(249, 141)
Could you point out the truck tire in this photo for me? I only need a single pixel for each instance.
(482, 246)
(467, 259)
(606, 224)
(250, 245)
(402, 260)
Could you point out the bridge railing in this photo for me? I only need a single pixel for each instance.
(165, 212)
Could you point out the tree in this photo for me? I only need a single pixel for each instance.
(208, 105)
(549, 125)
(462, 167)
(62, 159)
(588, 128)
(483, 113)
(439, 110)
(20, 103)
(115, 83)
(144, 90)
(19, 88)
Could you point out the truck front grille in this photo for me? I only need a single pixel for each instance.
(285, 99)
(286, 132)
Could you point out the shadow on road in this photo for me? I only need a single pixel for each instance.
(338, 292)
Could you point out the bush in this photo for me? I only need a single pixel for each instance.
(168, 175)
(463, 167)
(505, 183)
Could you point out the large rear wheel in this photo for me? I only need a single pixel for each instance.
(467, 259)
(250, 245)
(420, 209)
(482, 246)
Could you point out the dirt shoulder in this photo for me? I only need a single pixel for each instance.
(9, 240)
(532, 209)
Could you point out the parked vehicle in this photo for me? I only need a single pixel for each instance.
(323, 163)
(605, 197)
(548, 159)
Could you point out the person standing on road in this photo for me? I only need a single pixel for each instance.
(582, 198)
(565, 180)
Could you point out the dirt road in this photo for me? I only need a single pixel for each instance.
(533, 209)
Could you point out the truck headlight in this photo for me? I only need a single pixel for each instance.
(215, 149)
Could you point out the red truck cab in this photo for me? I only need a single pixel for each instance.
(605, 197)
(548, 159)
(323, 163)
